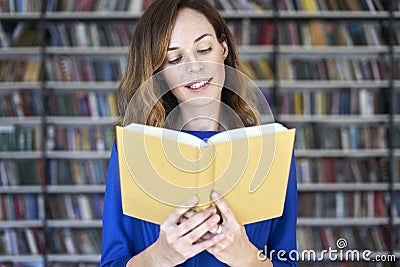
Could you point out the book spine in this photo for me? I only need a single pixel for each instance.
(205, 178)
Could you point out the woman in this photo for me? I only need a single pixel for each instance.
(186, 34)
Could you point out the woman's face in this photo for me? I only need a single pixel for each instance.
(194, 66)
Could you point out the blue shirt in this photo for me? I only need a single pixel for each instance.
(125, 237)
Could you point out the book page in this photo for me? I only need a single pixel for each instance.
(247, 132)
(166, 134)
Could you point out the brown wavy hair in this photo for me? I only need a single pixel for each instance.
(147, 54)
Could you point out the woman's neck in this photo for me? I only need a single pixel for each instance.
(198, 119)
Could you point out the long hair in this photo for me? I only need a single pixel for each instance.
(147, 53)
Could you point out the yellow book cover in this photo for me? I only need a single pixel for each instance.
(112, 104)
(310, 5)
(161, 168)
(267, 69)
(248, 70)
(298, 103)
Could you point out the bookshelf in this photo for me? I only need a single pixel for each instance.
(329, 68)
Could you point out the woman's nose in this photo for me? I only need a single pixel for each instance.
(193, 65)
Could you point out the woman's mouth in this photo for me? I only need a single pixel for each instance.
(199, 85)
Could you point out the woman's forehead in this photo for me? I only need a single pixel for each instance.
(189, 25)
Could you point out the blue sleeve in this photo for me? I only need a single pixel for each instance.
(283, 230)
(116, 229)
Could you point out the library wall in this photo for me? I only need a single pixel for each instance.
(329, 68)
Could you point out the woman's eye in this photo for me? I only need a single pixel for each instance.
(204, 51)
(175, 61)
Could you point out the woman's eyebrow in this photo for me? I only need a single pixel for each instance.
(201, 37)
(195, 41)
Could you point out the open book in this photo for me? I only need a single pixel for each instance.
(161, 168)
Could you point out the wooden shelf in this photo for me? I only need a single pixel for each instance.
(342, 187)
(339, 153)
(342, 221)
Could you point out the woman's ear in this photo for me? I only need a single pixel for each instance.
(225, 49)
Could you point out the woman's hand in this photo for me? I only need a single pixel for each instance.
(235, 249)
(180, 239)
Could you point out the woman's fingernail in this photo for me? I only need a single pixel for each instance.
(212, 210)
(215, 218)
(214, 195)
(193, 200)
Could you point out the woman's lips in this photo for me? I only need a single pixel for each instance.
(198, 85)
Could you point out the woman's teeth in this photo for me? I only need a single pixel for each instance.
(198, 85)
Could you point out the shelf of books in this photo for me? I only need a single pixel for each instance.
(330, 68)
(334, 86)
(22, 165)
